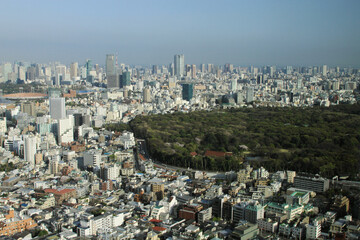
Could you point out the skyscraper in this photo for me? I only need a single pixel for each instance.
(66, 129)
(193, 71)
(324, 70)
(113, 81)
(233, 85)
(187, 91)
(249, 94)
(73, 70)
(147, 95)
(125, 79)
(88, 67)
(110, 65)
(30, 149)
(57, 108)
(202, 67)
(179, 65)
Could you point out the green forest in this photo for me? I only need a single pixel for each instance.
(317, 140)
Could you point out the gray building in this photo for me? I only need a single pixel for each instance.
(316, 183)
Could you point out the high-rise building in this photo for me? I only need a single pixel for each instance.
(324, 70)
(54, 92)
(233, 85)
(57, 108)
(313, 231)
(30, 149)
(228, 68)
(249, 94)
(88, 67)
(187, 91)
(73, 70)
(147, 95)
(7, 68)
(179, 65)
(113, 81)
(65, 129)
(30, 73)
(172, 69)
(202, 68)
(210, 67)
(3, 125)
(125, 79)
(110, 65)
(155, 69)
(193, 71)
(92, 158)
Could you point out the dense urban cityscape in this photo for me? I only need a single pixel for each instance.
(180, 120)
(68, 172)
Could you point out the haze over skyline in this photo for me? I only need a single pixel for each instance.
(144, 32)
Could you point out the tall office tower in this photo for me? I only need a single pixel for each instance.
(88, 67)
(324, 70)
(187, 91)
(54, 92)
(233, 85)
(61, 69)
(7, 68)
(299, 83)
(171, 69)
(113, 81)
(147, 95)
(125, 79)
(289, 70)
(249, 94)
(30, 149)
(272, 71)
(228, 68)
(83, 72)
(38, 71)
(187, 70)
(65, 129)
(73, 70)
(202, 68)
(193, 71)
(3, 125)
(21, 73)
(154, 69)
(210, 67)
(30, 73)
(260, 79)
(110, 65)
(57, 108)
(179, 65)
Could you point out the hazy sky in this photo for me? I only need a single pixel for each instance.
(253, 32)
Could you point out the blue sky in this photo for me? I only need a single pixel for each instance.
(253, 32)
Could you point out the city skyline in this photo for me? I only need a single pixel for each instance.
(145, 33)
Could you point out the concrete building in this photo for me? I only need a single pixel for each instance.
(313, 231)
(245, 231)
(74, 70)
(316, 184)
(3, 127)
(57, 108)
(30, 149)
(92, 158)
(179, 65)
(65, 130)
